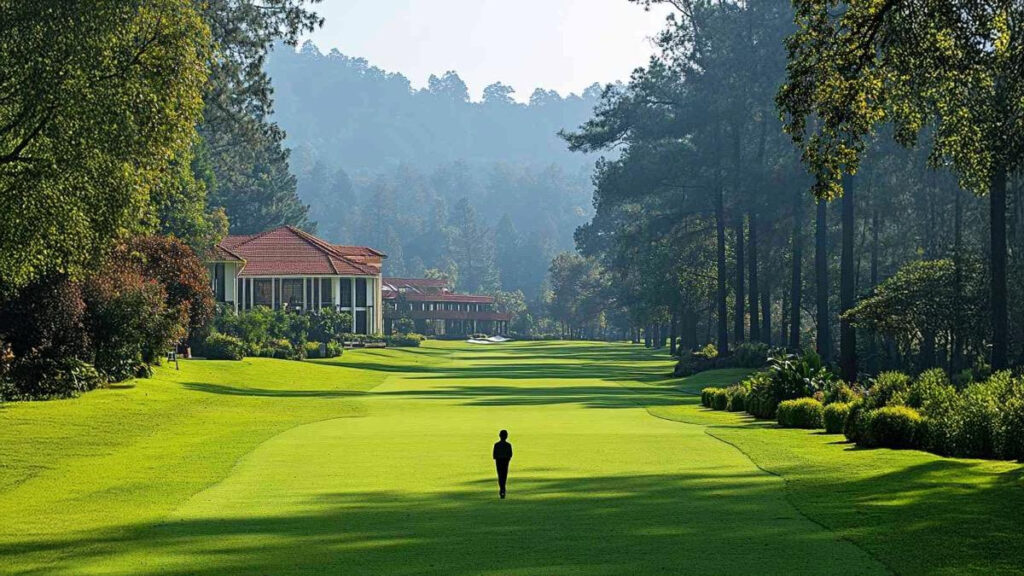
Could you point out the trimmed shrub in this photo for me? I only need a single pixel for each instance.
(405, 340)
(887, 386)
(981, 413)
(854, 420)
(313, 350)
(891, 427)
(834, 417)
(219, 346)
(283, 349)
(929, 384)
(720, 401)
(943, 429)
(707, 395)
(801, 413)
(335, 349)
(1013, 429)
(737, 398)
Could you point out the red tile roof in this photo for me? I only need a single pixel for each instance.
(287, 251)
(439, 297)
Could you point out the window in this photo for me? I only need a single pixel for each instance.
(360, 292)
(291, 292)
(361, 322)
(261, 292)
(326, 294)
(218, 282)
(240, 293)
(346, 292)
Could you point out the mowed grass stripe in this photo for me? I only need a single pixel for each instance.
(598, 486)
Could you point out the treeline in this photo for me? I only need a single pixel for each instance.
(706, 229)
(484, 191)
(132, 136)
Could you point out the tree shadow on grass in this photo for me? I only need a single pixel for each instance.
(712, 523)
(588, 396)
(269, 393)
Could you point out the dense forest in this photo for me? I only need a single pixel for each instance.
(482, 191)
(761, 192)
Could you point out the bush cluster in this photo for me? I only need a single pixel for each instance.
(65, 336)
(805, 413)
(834, 417)
(402, 340)
(746, 355)
(219, 346)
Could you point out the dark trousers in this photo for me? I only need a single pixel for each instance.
(502, 466)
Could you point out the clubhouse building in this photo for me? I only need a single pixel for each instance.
(286, 268)
(437, 311)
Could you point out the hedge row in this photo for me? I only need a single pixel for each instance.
(983, 420)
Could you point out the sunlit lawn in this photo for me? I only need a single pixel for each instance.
(379, 463)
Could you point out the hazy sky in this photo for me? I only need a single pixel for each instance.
(563, 45)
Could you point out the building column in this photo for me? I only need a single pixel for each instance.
(352, 292)
(336, 292)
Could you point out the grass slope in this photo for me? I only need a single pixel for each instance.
(378, 463)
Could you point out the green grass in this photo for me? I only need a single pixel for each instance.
(378, 462)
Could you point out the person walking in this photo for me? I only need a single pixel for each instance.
(502, 454)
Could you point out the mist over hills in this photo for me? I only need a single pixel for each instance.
(483, 190)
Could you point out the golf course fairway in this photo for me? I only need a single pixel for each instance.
(378, 462)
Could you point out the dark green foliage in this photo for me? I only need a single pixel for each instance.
(327, 325)
(36, 377)
(891, 427)
(129, 321)
(219, 346)
(805, 413)
(841, 392)
(750, 355)
(854, 418)
(761, 401)
(835, 416)
(176, 267)
(404, 325)
(928, 302)
(99, 100)
(792, 376)
(926, 387)
(887, 386)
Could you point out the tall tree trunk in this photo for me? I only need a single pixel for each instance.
(873, 342)
(739, 318)
(673, 331)
(796, 287)
(824, 338)
(755, 293)
(847, 287)
(766, 312)
(723, 307)
(956, 362)
(997, 225)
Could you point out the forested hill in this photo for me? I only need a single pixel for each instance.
(483, 190)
